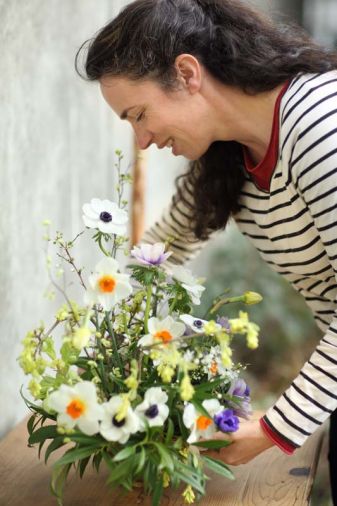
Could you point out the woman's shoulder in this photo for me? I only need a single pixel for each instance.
(308, 98)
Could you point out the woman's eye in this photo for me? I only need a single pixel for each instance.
(140, 117)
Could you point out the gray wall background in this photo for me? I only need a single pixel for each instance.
(57, 140)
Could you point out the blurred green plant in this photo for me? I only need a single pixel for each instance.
(288, 330)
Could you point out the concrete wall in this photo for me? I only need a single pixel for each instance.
(57, 139)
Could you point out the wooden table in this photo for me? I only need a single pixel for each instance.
(271, 479)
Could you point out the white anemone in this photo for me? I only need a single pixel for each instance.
(153, 409)
(106, 216)
(189, 282)
(78, 406)
(106, 285)
(113, 429)
(196, 324)
(200, 425)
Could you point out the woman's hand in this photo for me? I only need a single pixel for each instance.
(246, 443)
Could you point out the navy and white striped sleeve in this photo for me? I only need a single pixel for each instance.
(312, 396)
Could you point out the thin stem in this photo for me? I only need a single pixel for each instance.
(222, 302)
(106, 253)
(114, 344)
(148, 307)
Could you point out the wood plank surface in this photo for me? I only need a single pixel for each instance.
(272, 478)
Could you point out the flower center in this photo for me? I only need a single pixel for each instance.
(214, 367)
(197, 323)
(106, 284)
(105, 216)
(152, 411)
(118, 423)
(164, 335)
(75, 408)
(203, 422)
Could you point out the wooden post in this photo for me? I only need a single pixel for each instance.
(138, 194)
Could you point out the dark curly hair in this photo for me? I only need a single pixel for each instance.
(237, 44)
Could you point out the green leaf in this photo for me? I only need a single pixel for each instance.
(157, 492)
(83, 464)
(166, 461)
(141, 461)
(96, 461)
(54, 445)
(121, 471)
(214, 444)
(58, 479)
(43, 433)
(84, 440)
(75, 454)
(30, 424)
(170, 432)
(189, 475)
(124, 454)
(218, 467)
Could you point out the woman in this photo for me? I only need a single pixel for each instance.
(254, 106)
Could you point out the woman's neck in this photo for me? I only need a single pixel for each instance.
(247, 119)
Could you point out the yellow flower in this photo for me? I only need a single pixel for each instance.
(226, 357)
(186, 388)
(252, 298)
(166, 479)
(62, 313)
(131, 382)
(210, 328)
(166, 372)
(34, 388)
(122, 411)
(188, 495)
(252, 336)
(80, 338)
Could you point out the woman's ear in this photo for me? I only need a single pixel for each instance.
(188, 72)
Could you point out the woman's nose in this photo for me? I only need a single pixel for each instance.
(144, 139)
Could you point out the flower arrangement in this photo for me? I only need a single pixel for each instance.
(128, 377)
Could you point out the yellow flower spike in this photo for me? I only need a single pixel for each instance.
(252, 298)
(34, 388)
(122, 410)
(186, 388)
(131, 382)
(184, 453)
(210, 328)
(188, 495)
(80, 338)
(252, 336)
(166, 479)
(166, 372)
(62, 314)
(226, 357)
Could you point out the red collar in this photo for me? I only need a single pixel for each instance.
(262, 173)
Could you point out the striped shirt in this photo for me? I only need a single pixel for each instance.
(293, 225)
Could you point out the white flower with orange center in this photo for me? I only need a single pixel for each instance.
(77, 406)
(106, 216)
(212, 363)
(107, 286)
(201, 426)
(162, 331)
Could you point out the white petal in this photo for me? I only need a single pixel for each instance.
(86, 390)
(89, 212)
(155, 395)
(189, 415)
(89, 222)
(88, 426)
(107, 265)
(177, 329)
(213, 406)
(97, 205)
(66, 421)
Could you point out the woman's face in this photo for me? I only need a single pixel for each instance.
(176, 119)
